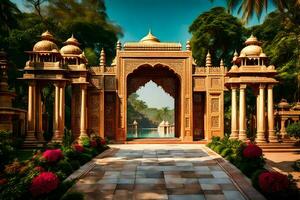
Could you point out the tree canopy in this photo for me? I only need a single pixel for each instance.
(218, 32)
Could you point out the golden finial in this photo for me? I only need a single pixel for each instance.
(188, 45)
(221, 63)
(235, 54)
(208, 60)
(119, 45)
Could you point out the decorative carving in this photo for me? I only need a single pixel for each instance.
(215, 83)
(199, 83)
(214, 105)
(215, 122)
(110, 83)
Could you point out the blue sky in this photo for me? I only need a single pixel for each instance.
(169, 21)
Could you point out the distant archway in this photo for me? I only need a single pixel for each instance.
(162, 76)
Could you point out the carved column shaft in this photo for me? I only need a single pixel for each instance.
(62, 108)
(234, 121)
(260, 137)
(272, 136)
(83, 113)
(242, 121)
(56, 125)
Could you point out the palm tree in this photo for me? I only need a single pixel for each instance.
(251, 7)
(8, 15)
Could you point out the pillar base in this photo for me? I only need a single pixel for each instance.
(260, 137)
(187, 139)
(31, 141)
(272, 136)
(234, 135)
(242, 135)
(57, 137)
(83, 134)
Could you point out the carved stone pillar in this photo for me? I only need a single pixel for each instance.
(283, 132)
(260, 137)
(39, 114)
(62, 108)
(56, 122)
(83, 113)
(234, 122)
(242, 121)
(272, 136)
(31, 113)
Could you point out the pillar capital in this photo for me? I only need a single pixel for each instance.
(234, 87)
(243, 86)
(270, 86)
(262, 86)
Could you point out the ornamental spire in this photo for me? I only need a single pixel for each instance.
(208, 60)
(119, 46)
(102, 58)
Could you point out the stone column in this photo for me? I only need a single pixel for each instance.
(83, 113)
(272, 136)
(282, 128)
(62, 108)
(260, 136)
(242, 121)
(39, 116)
(31, 114)
(56, 124)
(234, 123)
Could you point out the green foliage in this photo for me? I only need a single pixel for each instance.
(7, 151)
(293, 130)
(216, 31)
(75, 164)
(73, 196)
(254, 177)
(85, 141)
(296, 165)
(65, 167)
(84, 158)
(226, 151)
(68, 138)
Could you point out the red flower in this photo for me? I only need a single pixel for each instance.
(102, 141)
(93, 143)
(52, 155)
(273, 182)
(3, 181)
(44, 183)
(39, 169)
(79, 148)
(252, 151)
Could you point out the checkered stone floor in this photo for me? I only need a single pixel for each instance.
(175, 172)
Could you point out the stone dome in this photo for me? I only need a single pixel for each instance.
(253, 47)
(71, 47)
(46, 44)
(283, 104)
(149, 38)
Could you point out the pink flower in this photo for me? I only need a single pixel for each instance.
(44, 183)
(79, 148)
(273, 182)
(52, 155)
(252, 151)
(102, 141)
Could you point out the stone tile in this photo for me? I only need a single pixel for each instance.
(214, 180)
(210, 186)
(219, 174)
(125, 181)
(187, 197)
(155, 194)
(228, 186)
(149, 181)
(108, 181)
(236, 195)
(129, 187)
(215, 197)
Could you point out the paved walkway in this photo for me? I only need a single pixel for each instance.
(175, 172)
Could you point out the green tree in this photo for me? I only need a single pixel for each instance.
(218, 32)
(9, 13)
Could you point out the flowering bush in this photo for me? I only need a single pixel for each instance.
(3, 181)
(39, 169)
(252, 151)
(79, 148)
(270, 182)
(102, 141)
(52, 155)
(44, 183)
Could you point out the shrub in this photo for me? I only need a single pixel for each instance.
(73, 196)
(293, 130)
(52, 156)
(6, 149)
(75, 164)
(252, 151)
(254, 177)
(296, 165)
(83, 158)
(85, 141)
(79, 148)
(65, 167)
(270, 182)
(44, 183)
(68, 138)
(226, 152)
(71, 154)
(219, 148)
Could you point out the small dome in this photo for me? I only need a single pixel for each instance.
(149, 38)
(71, 47)
(283, 104)
(46, 44)
(251, 50)
(262, 55)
